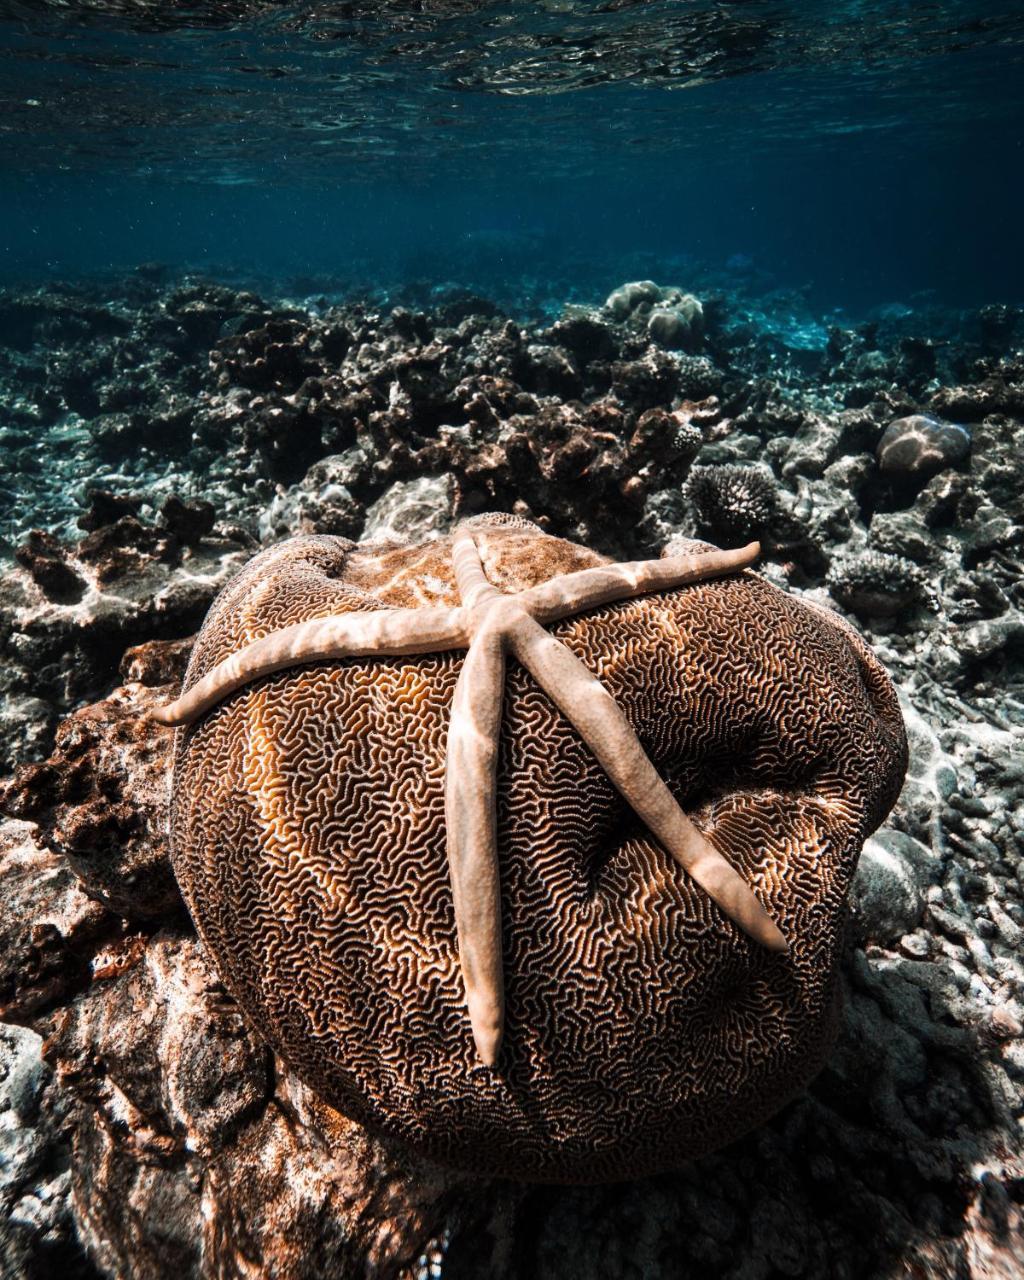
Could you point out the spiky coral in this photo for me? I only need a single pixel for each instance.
(731, 501)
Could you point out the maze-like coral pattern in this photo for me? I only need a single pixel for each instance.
(642, 1027)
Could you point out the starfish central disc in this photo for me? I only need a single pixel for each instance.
(491, 626)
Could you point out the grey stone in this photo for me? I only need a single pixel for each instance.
(412, 510)
(36, 1222)
(922, 445)
(903, 534)
(321, 502)
(887, 898)
(989, 637)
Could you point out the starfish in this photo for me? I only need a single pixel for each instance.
(491, 626)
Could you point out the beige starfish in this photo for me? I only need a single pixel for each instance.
(490, 626)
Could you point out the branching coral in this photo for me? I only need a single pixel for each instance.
(875, 584)
(732, 501)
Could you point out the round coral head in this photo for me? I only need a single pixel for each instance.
(642, 1025)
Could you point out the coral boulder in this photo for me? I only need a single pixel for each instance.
(642, 1026)
(922, 445)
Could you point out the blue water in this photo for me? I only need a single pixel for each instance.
(860, 153)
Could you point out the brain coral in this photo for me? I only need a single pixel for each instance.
(642, 1025)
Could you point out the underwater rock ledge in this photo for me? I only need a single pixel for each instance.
(157, 1136)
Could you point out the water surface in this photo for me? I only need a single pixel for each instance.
(860, 153)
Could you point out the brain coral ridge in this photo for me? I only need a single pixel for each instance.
(349, 779)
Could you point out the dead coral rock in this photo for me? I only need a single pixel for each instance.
(25, 726)
(192, 1075)
(981, 641)
(585, 334)
(164, 1075)
(188, 1162)
(60, 652)
(412, 509)
(48, 925)
(106, 508)
(45, 558)
(125, 547)
(666, 437)
(102, 800)
(189, 522)
(972, 403)
(888, 890)
(309, 1194)
(37, 1231)
(322, 502)
(156, 662)
(647, 382)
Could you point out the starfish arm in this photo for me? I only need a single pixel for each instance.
(590, 588)
(470, 818)
(381, 633)
(606, 731)
(472, 582)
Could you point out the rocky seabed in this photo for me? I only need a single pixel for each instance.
(159, 430)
